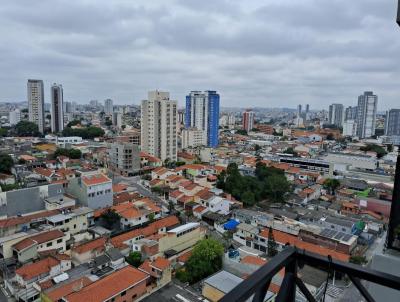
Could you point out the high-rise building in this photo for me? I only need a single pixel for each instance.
(350, 128)
(159, 126)
(36, 103)
(57, 108)
(14, 117)
(299, 110)
(392, 122)
(202, 112)
(366, 114)
(108, 106)
(248, 120)
(350, 113)
(336, 116)
(307, 108)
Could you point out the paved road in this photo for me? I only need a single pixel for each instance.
(134, 182)
(174, 293)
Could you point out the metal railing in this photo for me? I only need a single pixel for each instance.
(291, 259)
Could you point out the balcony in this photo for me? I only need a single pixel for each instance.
(291, 258)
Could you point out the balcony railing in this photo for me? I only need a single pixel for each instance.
(291, 259)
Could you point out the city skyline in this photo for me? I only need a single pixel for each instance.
(137, 47)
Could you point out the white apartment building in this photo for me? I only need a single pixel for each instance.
(108, 106)
(350, 128)
(57, 108)
(193, 137)
(159, 126)
(36, 103)
(14, 117)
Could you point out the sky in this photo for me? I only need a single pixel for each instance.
(264, 53)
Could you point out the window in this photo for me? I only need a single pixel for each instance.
(49, 244)
(123, 293)
(59, 240)
(74, 226)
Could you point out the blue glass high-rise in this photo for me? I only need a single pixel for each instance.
(202, 112)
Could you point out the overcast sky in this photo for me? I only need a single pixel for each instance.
(269, 53)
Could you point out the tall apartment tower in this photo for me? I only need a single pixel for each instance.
(299, 110)
(350, 113)
(36, 103)
(366, 114)
(248, 120)
(336, 115)
(57, 108)
(14, 117)
(392, 122)
(202, 112)
(159, 126)
(108, 106)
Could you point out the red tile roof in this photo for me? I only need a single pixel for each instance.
(29, 271)
(12, 221)
(253, 260)
(105, 288)
(38, 239)
(151, 229)
(57, 293)
(284, 238)
(98, 244)
(95, 179)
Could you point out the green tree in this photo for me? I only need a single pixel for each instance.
(86, 133)
(389, 148)
(276, 187)
(3, 132)
(25, 128)
(206, 259)
(6, 163)
(151, 217)
(380, 151)
(360, 260)
(241, 132)
(290, 150)
(5, 188)
(272, 245)
(134, 259)
(248, 198)
(110, 217)
(71, 153)
(331, 184)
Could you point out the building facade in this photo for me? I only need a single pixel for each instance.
(336, 115)
(202, 112)
(124, 158)
(108, 106)
(193, 137)
(248, 120)
(392, 122)
(366, 114)
(35, 91)
(159, 126)
(351, 113)
(57, 108)
(14, 117)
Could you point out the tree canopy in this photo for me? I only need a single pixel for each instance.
(3, 132)
(71, 153)
(331, 184)
(6, 163)
(380, 151)
(241, 132)
(25, 128)
(268, 183)
(290, 150)
(110, 217)
(134, 258)
(86, 133)
(206, 259)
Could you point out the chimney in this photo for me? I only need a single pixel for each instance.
(393, 235)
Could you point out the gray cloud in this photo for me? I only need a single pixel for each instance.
(263, 53)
